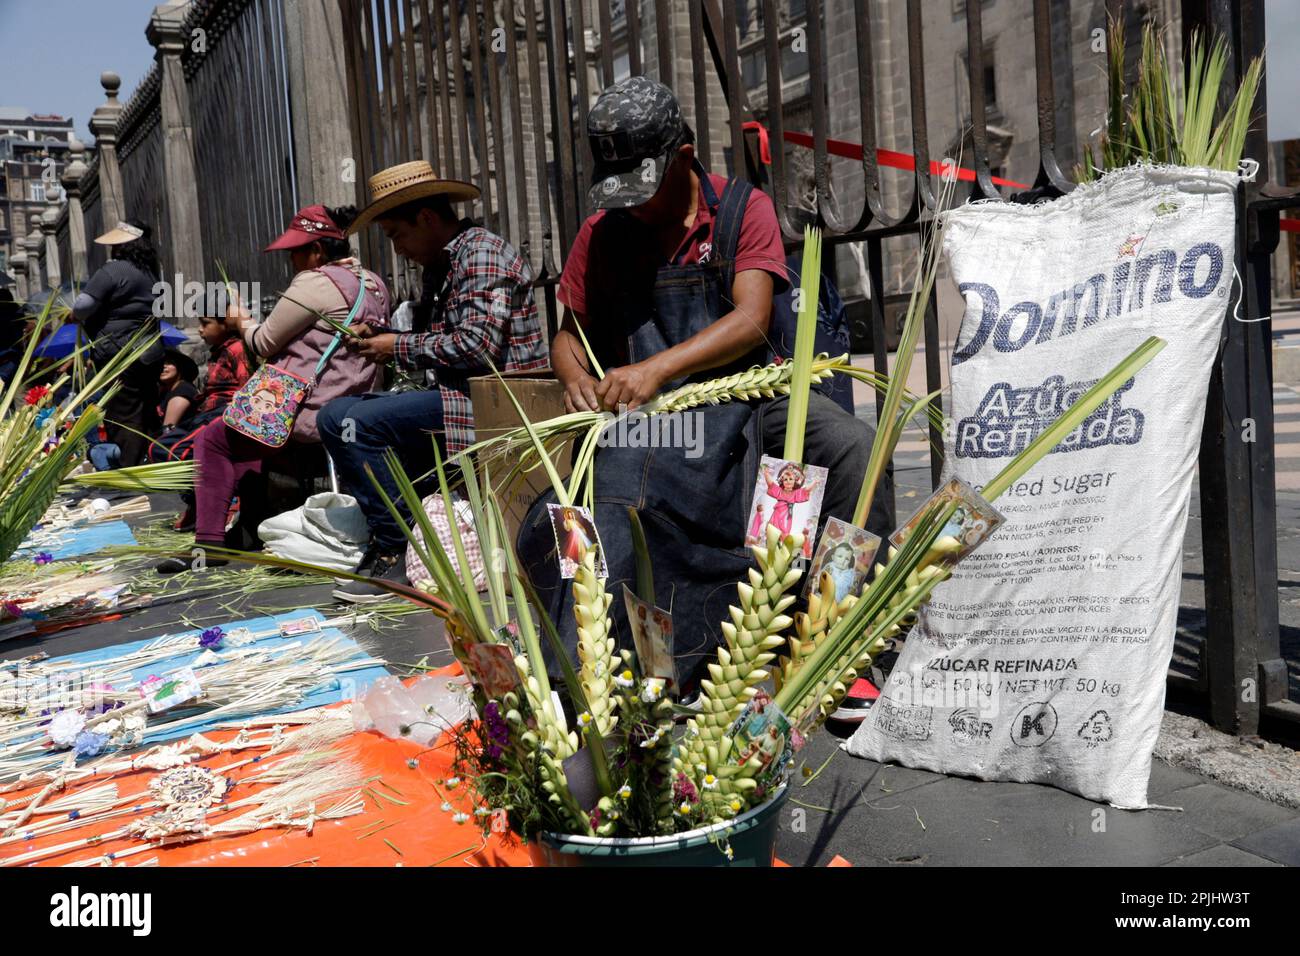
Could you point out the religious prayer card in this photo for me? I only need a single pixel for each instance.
(300, 625)
(788, 496)
(971, 524)
(845, 553)
(163, 693)
(492, 667)
(763, 731)
(575, 535)
(652, 636)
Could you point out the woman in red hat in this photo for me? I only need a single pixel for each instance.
(327, 281)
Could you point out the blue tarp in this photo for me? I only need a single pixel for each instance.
(81, 541)
(342, 687)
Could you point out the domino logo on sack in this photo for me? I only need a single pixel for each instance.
(1080, 306)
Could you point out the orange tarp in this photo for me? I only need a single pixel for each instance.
(419, 833)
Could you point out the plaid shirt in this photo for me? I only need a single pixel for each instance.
(484, 312)
(228, 369)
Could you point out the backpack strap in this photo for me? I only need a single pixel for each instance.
(338, 336)
(726, 228)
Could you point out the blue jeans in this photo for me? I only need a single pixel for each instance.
(105, 456)
(357, 429)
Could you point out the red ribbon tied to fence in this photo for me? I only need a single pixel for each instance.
(885, 157)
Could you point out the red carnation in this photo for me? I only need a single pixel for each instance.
(36, 395)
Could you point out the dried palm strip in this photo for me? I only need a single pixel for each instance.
(288, 804)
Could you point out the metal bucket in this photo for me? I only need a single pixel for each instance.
(751, 836)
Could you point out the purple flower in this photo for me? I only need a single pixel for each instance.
(43, 558)
(99, 702)
(89, 743)
(11, 609)
(212, 638)
(496, 725)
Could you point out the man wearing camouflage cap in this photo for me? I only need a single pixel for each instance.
(671, 280)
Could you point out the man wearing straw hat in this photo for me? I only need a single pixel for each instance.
(477, 312)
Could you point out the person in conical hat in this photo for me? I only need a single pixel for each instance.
(116, 302)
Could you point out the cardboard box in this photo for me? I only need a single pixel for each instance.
(541, 396)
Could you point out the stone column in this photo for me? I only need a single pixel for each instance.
(318, 100)
(18, 263)
(73, 173)
(103, 123)
(49, 228)
(168, 34)
(35, 248)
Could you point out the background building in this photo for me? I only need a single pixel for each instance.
(33, 154)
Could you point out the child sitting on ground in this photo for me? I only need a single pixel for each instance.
(228, 366)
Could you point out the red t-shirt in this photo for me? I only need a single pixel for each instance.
(612, 259)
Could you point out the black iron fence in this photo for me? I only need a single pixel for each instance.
(238, 88)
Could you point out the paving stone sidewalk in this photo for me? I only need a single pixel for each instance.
(874, 815)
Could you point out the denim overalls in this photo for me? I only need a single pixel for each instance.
(693, 509)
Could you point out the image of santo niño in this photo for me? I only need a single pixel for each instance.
(794, 493)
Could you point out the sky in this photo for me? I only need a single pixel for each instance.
(52, 52)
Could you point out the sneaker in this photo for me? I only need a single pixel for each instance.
(388, 567)
(853, 708)
(172, 566)
(185, 522)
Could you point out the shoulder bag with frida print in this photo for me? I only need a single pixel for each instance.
(266, 405)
